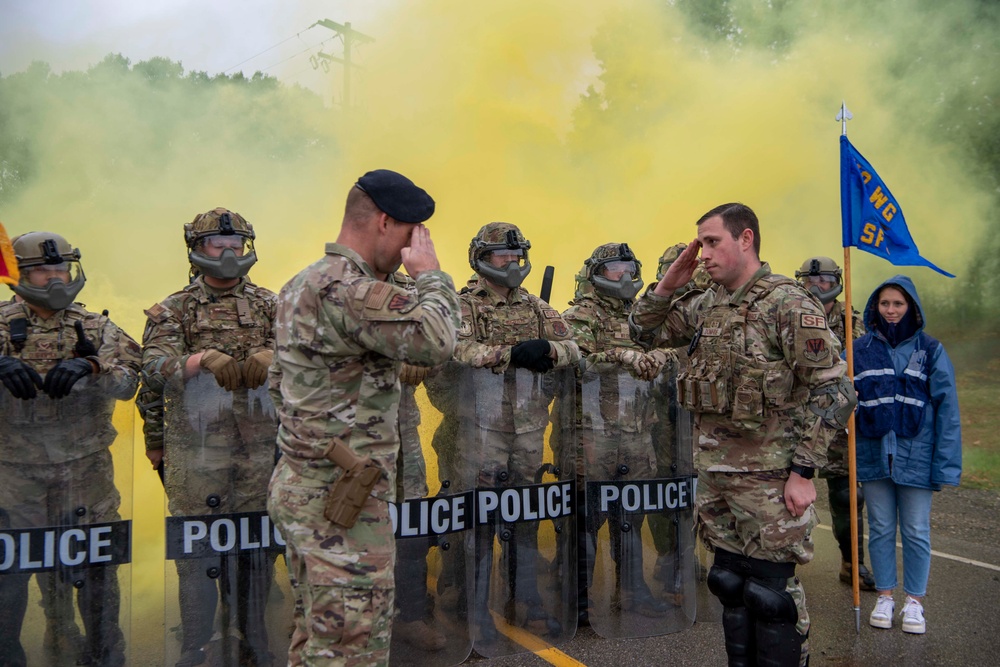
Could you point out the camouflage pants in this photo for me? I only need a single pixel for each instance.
(745, 513)
(342, 579)
(79, 491)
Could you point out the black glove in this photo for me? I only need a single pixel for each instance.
(61, 379)
(83, 348)
(19, 378)
(533, 355)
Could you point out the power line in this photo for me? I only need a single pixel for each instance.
(295, 55)
(266, 50)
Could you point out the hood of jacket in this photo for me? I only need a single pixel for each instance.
(874, 321)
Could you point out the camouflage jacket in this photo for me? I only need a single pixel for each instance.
(600, 323)
(44, 430)
(761, 355)
(238, 321)
(341, 338)
(491, 325)
(838, 326)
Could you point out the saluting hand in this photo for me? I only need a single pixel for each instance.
(419, 256)
(680, 271)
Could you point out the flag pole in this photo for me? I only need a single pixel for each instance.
(852, 477)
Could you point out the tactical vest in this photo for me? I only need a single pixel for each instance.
(234, 325)
(513, 324)
(722, 377)
(890, 402)
(610, 329)
(46, 430)
(42, 351)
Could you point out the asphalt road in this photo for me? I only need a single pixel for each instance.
(962, 607)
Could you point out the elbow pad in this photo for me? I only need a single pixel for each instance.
(840, 406)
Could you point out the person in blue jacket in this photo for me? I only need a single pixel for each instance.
(909, 441)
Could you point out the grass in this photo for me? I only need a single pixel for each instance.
(977, 369)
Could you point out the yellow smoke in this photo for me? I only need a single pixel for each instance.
(583, 123)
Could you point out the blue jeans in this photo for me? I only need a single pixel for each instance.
(889, 505)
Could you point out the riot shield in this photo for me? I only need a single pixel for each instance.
(65, 527)
(433, 533)
(525, 506)
(226, 601)
(639, 505)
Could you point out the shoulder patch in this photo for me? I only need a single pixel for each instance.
(550, 314)
(377, 295)
(401, 302)
(815, 349)
(812, 321)
(157, 313)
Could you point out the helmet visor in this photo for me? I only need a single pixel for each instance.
(218, 242)
(617, 268)
(823, 280)
(505, 256)
(40, 275)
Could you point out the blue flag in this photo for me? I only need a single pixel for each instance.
(873, 220)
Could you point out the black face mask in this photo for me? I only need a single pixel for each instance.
(896, 333)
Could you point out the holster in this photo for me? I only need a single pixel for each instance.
(349, 493)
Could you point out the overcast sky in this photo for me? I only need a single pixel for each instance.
(209, 35)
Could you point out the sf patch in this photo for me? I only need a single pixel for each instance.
(811, 321)
(815, 349)
(400, 302)
(560, 329)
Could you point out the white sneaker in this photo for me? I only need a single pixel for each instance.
(882, 613)
(913, 617)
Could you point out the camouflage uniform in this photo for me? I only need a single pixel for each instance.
(621, 437)
(508, 445)
(763, 361)
(341, 336)
(224, 466)
(822, 277)
(56, 470)
(837, 472)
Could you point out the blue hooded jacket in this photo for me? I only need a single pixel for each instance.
(932, 456)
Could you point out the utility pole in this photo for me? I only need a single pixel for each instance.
(348, 36)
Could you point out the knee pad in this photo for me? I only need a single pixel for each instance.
(769, 601)
(727, 586)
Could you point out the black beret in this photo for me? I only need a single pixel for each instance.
(397, 196)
